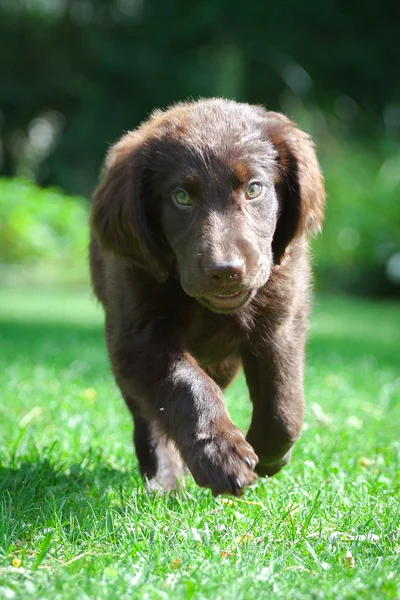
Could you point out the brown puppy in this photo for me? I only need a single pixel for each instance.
(199, 256)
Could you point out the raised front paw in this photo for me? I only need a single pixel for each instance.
(223, 462)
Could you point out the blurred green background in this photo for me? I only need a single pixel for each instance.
(75, 74)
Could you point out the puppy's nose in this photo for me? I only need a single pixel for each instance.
(228, 271)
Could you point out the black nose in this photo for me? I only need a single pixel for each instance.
(229, 271)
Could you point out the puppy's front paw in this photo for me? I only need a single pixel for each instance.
(224, 462)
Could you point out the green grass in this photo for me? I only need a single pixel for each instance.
(75, 521)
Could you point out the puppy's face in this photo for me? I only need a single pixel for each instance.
(219, 210)
(214, 190)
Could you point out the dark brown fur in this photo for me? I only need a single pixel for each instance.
(192, 293)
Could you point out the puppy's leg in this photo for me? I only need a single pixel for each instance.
(178, 398)
(275, 382)
(160, 463)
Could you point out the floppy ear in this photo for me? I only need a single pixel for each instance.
(118, 215)
(300, 184)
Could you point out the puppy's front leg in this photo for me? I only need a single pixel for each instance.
(275, 380)
(183, 402)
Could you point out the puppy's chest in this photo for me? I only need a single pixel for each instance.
(211, 338)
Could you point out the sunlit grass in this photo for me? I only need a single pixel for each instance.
(75, 521)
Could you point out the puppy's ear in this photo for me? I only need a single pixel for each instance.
(299, 184)
(118, 215)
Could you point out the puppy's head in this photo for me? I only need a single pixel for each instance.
(213, 192)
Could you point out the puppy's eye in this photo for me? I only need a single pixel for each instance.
(182, 198)
(253, 190)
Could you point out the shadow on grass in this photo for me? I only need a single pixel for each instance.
(32, 331)
(36, 495)
(51, 343)
(40, 479)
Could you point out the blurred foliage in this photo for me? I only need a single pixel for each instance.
(42, 231)
(75, 74)
(359, 249)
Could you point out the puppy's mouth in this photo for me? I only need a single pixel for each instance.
(227, 302)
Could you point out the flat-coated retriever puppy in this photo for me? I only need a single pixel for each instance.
(199, 255)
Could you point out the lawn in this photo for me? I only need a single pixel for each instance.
(75, 521)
